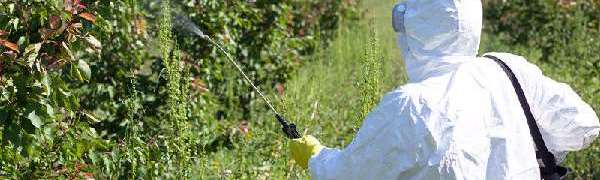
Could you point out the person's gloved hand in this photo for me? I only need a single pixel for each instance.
(304, 148)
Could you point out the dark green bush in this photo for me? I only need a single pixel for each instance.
(110, 89)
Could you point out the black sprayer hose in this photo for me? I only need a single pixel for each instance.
(288, 128)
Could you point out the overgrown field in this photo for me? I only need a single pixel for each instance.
(120, 89)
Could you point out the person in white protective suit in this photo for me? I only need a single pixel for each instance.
(459, 116)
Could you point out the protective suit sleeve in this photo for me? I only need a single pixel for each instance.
(569, 123)
(566, 122)
(382, 149)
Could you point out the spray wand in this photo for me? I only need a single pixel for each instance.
(288, 128)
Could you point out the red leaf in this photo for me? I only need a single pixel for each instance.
(69, 6)
(9, 45)
(80, 5)
(139, 26)
(79, 166)
(88, 176)
(88, 16)
(2, 33)
(280, 89)
(8, 54)
(54, 22)
(73, 6)
(244, 127)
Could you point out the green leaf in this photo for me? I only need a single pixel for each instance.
(46, 85)
(14, 22)
(35, 120)
(67, 51)
(11, 8)
(31, 52)
(94, 43)
(49, 110)
(91, 117)
(3, 114)
(85, 69)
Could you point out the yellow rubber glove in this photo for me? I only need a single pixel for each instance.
(304, 148)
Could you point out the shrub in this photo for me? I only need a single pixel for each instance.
(86, 89)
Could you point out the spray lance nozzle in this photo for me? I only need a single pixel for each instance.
(288, 128)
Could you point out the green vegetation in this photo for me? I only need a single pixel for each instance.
(370, 79)
(114, 89)
(322, 97)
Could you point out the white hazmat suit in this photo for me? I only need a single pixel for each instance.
(459, 116)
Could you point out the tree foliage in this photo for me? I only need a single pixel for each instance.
(111, 89)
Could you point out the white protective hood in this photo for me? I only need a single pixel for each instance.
(459, 117)
(439, 33)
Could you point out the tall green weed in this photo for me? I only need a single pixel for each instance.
(370, 81)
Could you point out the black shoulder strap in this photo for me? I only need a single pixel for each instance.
(549, 166)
